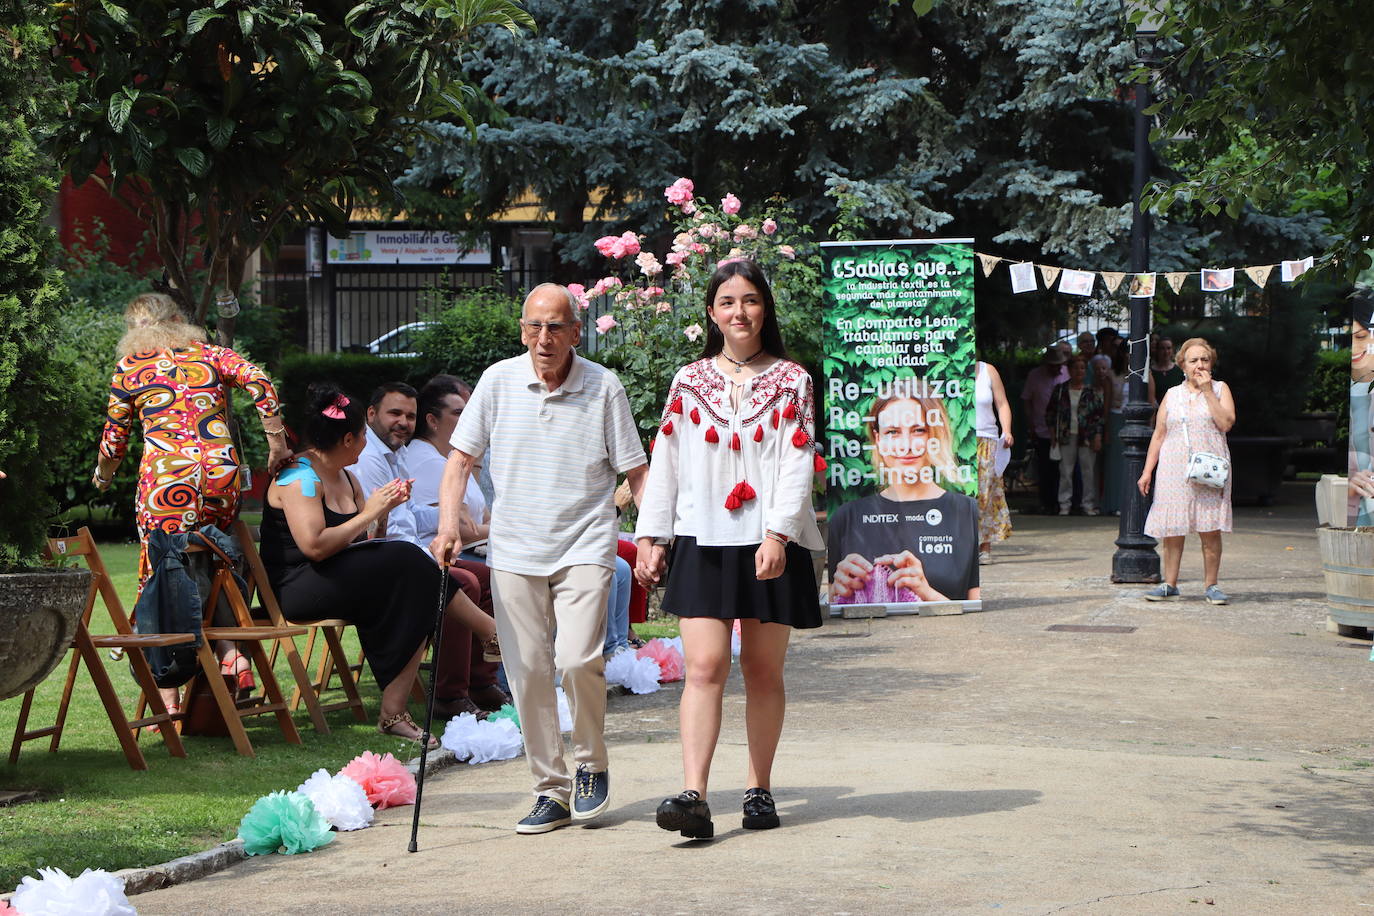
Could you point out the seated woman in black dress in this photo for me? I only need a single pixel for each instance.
(315, 525)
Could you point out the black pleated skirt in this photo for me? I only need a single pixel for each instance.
(719, 582)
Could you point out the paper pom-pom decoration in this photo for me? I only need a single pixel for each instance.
(506, 711)
(283, 822)
(7, 910)
(385, 779)
(564, 712)
(94, 892)
(670, 664)
(734, 640)
(339, 799)
(479, 741)
(638, 675)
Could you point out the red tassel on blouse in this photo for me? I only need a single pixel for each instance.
(696, 416)
(758, 433)
(734, 441)
(676, 406)
(775, 419)
(746, 492)
(799, 438)
(712, 435)
(821, 464)
(732, 502)
(668, 428)
(789, 412)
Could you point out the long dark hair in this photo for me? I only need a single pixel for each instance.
(324, 432)
(771, 337)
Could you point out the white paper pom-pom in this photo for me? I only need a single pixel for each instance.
(339, 799)
(564, 710)
(95, 892)
(638, 675)
(734, 640)
(675, 642)
(480, 741)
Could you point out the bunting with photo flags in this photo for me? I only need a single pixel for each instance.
(1075, 281)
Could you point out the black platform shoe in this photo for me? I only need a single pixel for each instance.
(687, 814)
(759, 811)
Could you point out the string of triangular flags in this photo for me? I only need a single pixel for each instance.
(1138, 285)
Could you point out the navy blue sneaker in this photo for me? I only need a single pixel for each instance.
(687, 814)
(547, 814)
(591, 793)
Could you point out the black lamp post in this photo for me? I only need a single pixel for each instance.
(1135, 559)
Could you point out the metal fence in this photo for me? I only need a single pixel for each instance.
(344, 308)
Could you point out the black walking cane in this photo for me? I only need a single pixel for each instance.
(429, 704)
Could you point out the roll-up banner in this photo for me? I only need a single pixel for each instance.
(902, 476)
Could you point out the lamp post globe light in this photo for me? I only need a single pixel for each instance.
(1135, 559)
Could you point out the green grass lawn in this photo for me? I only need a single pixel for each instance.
(95, 812)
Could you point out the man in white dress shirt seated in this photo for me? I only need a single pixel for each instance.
(464, 682)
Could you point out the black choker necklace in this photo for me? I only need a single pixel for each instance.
(741, 363)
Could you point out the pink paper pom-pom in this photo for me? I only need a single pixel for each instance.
(385, 779)
(7, 910)
(670, 662)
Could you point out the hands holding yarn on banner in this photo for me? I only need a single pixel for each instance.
(855, 574)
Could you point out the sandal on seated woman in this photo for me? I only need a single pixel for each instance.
(315, 526)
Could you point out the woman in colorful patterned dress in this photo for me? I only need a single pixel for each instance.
(993, 422)
(175, 385)
(1203, 407)
(730, 483)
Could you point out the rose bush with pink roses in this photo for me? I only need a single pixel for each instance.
(649, 311)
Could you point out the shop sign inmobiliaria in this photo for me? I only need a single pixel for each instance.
(404, 246)
(902, 479)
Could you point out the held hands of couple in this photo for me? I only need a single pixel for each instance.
(650, 562)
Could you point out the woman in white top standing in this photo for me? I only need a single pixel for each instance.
(730, 482)
(991, 408)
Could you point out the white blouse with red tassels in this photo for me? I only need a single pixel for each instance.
(725, 476)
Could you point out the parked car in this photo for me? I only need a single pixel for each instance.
(399, 341)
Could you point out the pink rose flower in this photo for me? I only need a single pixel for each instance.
(663, 306)
(770, 226)
(607, 245)
(692, 332)
(745, 231)
(699, 248)
(729, 204)
(653, 292)
(607, 283)
(630, 241)
(787, 251)
(604, 324)
(679, 192)
(675, 258)
(682, 240)
(689, 208)
(649, 264)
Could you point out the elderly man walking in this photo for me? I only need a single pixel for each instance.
(560, 429)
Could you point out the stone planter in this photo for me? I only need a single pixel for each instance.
(1348, 568)
(39, 611)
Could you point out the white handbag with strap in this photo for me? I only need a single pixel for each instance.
(1204, 467)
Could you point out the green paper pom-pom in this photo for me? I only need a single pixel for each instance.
(283, 822)
(506, 711)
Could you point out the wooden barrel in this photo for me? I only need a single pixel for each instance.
(1348, 567)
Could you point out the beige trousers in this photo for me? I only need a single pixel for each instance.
(529, 609)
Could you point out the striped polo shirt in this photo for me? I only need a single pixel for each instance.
(554, 459)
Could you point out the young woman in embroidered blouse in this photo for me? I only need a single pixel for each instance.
(730, 483)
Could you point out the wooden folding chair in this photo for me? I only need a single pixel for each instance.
(332, 630)
(254, 636)
(88, 649)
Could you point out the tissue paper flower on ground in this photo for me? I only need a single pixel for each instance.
(478, 741)
(385, 779)
(507, 711)
(564, 711)
(669, 659)
(339, 799)
(638, 675)
(285, 821)
(94, 892)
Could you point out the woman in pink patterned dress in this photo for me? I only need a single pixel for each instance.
(1180, 505)
(176, 386)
